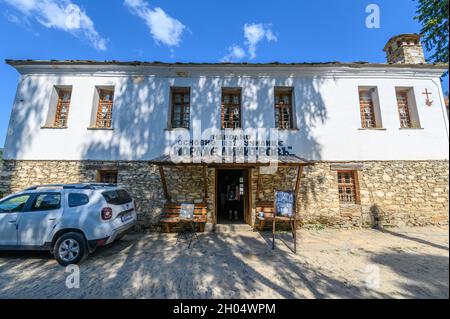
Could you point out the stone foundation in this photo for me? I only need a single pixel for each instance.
(392, 193)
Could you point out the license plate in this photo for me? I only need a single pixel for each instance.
(126, 217)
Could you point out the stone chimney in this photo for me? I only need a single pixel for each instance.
(405, 49)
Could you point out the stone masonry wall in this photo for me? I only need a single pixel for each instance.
(391, 192)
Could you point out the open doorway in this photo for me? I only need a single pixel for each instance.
(232, 196)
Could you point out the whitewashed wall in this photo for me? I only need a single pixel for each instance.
(326, 106)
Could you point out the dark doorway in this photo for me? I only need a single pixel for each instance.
(231, 196)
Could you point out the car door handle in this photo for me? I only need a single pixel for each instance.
(12, 221)
(52, 219)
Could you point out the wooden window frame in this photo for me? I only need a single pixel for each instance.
(59, 120)
(362, 109)
(185, 108)
(232, 108)
(100, 121)
(280, 123)
(405, 118)
(353, 185)
(102, 173)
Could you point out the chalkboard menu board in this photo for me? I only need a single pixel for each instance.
(284, 203)
(187, 211)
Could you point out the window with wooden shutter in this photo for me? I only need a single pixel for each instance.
(367, 109)
(347, 186)
(105, 107)
(62, 107)
(181, 108)
(283, 109)
(403, 109)
(231, 108)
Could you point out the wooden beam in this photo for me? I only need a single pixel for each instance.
(258, 182)
(299, 175)
(205, 183)
(164, 183)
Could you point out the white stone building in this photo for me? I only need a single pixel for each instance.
(375, 135)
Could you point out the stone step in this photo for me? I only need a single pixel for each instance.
(232, 228)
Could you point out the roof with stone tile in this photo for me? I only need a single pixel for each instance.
(220, 64)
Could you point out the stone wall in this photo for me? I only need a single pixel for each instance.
(142, 180)
(391, 192)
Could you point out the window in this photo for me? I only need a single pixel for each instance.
(369, 107)
(76, 200)
(104, 109)
(117, 197)
(14, 204)
(62, 107)
(403, 110)
(180, 108)
(46, 201)
(109, 177)
(283, 108)
(407, 109)
(231, 108)
(347, 185)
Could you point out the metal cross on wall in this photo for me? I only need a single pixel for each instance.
(428, 102)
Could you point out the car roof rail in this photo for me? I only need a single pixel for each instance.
(102, 184)
(73, 186)
(62, 186)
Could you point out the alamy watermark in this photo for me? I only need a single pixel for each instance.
(212, 145)
(373, 20)
(372, 276)
(73, 279)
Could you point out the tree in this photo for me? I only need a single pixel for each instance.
(433, 16)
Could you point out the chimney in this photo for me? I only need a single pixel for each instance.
(405, 49)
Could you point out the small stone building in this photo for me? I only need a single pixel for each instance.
(360, 144)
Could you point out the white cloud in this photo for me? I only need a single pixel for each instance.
(235, 53)
(60, 14)
(255, 33)
(163, 28)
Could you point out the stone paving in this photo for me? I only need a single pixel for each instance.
(395, 263)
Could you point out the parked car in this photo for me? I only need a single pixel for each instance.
(69, 220)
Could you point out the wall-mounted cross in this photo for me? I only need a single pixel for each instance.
(428, 102)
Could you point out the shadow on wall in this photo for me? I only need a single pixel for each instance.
(141, 113)
(141, 109)
(376, 217)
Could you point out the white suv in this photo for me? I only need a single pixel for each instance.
(70, 220)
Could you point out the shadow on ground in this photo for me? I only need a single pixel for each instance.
(218, 266)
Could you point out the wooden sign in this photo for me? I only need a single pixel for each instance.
(187, 211)
(284, 203)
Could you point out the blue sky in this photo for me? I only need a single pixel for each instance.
(194, 31)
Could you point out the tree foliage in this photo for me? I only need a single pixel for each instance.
(433, 16)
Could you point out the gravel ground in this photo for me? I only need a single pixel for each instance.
(394, 263)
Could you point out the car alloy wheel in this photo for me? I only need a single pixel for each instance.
(69, 250)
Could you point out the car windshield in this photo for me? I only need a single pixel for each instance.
(14, 204)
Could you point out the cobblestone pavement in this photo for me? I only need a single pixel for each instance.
(398, 263)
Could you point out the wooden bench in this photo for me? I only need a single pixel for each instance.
(171, 216)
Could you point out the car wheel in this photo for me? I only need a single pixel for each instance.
(70, 249)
